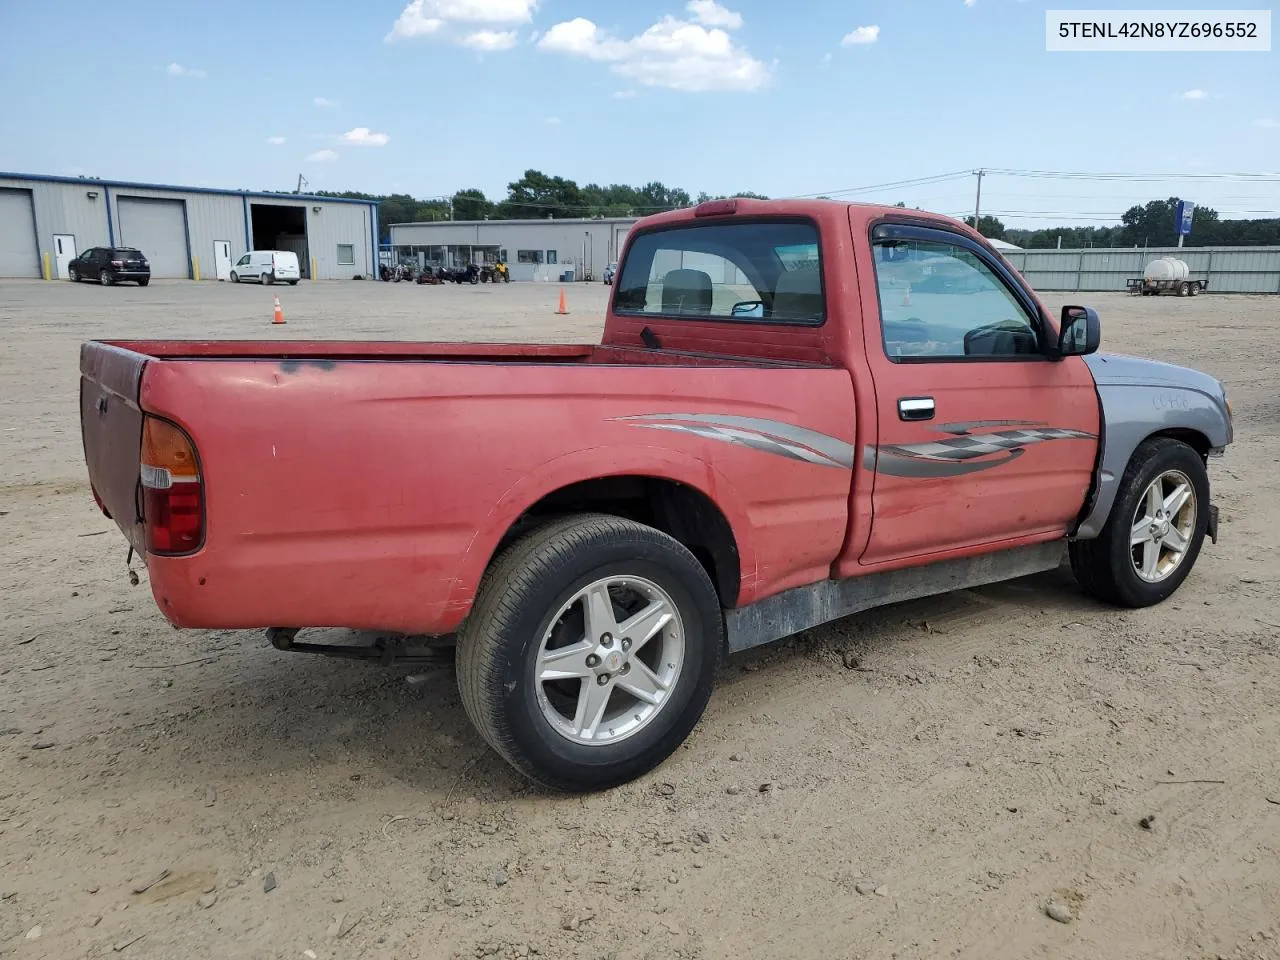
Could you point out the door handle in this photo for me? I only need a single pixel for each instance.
(915, 408)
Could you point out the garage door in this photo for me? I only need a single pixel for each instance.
(18, 256)
(158, 229)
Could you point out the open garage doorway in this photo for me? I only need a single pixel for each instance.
(280, 227)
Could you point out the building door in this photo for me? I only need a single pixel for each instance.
(159, 229)
(222, 259)
(64, 251)
(19, 256)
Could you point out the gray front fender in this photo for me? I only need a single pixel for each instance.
(1139, 399)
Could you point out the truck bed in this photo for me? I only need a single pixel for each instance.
(367, 485)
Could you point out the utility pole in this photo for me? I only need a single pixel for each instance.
(977, 203)
(302, 182)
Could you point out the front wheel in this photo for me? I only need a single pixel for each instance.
(73, 275)
(235, 277)
(591, 651)
(1156, 528)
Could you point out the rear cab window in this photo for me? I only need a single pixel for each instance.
(762, 271)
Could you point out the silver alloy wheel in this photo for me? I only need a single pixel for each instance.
(1163, 526)
(609, 661)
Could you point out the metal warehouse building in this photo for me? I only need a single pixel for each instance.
(534, 249)
(185, 232)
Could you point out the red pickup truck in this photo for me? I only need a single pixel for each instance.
(798, 410)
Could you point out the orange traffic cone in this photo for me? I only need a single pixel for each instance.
(563, 307)
(906, 297)
(279, 314)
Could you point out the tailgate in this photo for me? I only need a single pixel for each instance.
(111, 430)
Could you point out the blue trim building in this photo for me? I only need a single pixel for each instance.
(184, 231)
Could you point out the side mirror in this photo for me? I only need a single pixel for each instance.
(1080, 332)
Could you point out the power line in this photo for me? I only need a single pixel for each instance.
(871, 188)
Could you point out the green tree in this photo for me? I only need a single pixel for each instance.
(989, 227)
(537, 196)
(471, 205)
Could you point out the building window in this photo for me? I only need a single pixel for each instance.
(551, 256)
(346, 254)
(528, 256)
(502, 255)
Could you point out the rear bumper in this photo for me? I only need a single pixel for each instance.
(132, 275)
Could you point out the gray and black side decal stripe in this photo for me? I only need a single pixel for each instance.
(964, 452)
(768, 436)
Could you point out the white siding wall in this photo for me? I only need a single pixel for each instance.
(602, 238)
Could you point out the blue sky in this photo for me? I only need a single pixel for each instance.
(777, 98)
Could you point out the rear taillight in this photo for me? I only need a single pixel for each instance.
(117, 263)
(172, 492)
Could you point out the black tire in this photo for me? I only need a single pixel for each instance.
(293, 283)
(235, 277)
(267, 279)
(1184, 289)
(522, 590)
(1104, 566)
(144, 282)
(73, 274)
(105, 278)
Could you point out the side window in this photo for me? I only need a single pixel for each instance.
(551, 256)
(528, 256)
(940, 301)
(346, 254)
(766, 271)
(243, 261)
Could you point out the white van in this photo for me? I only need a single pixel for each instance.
(267, 266)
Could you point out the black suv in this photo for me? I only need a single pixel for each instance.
(110, 265)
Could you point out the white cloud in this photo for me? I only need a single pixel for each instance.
(488, 41)
(322, 156)
(860, 36)
(178, 70)
(711, 14)
(673, 53)
(324, 102)
(970, 3)
(1195, 95)
(425, 18)
(364, 137)
(275, 141)
(1267, 123)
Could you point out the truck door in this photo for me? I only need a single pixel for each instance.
(982, 437)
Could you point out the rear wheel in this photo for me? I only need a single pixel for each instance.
(1184, 289)
(104, 278)
(293, 283)
(266, 279)
(144, 281)
(591, 651)
(1155, 531)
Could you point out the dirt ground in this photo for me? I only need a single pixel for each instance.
(915, 783)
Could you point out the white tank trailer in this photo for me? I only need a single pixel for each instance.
(1167, 275)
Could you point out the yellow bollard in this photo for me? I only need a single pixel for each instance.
(195, 268)
(47, 274)
(313, 268)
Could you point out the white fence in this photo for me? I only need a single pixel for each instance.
(1228, 269)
